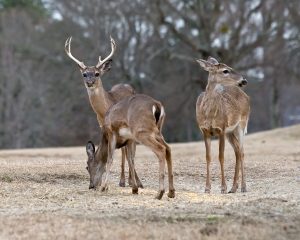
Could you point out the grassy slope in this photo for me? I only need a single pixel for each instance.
(43, 194)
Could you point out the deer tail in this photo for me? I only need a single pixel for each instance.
(159, 115)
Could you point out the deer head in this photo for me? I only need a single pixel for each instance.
(221, 73)
(91, 74)
(96, 163)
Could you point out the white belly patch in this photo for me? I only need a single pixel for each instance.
(125, 132)
(231, 128)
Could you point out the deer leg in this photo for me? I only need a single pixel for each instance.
(162, 161)
(171, 193)
(243, 187)
(129, 172)
(221, 159)
(208, 160)
(133, 146)
(122, 178)
(138, 181)
(129, 175)
(111, 149)
(233, 139)
(130, 156)
(241, 141)
(160, 151)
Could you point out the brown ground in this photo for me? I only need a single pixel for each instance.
(44, 195)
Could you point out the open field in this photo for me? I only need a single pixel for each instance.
(44, 195)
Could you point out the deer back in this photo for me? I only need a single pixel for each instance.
(120, 91)
(135, 113)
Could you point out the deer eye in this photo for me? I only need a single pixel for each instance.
(225, 71)
(87, 168)
(97, 74)
(84, 75)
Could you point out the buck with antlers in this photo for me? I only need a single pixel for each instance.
(133, 119)
(100, 99)
(223, 110)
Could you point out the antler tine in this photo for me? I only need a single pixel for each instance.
(68, 51)
(113, 49)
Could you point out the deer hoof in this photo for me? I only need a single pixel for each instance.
(207, 190)
(135, 191)
(140, 185)
(232, 191)
(104, 188)
(171, 193)
(223, 190)
(130, 182)
(243, 189)
(159, 194)
(122, 183)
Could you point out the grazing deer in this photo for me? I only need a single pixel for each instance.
(134, 119)
(223, 110)
(100, 99)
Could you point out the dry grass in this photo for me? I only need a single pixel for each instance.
(44, 195)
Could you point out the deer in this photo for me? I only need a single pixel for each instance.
(223, 110)
(133, 119)
(99, 98)
(238, 82)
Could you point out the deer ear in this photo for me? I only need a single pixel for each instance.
(207, 66)
(90, 149)
(105, 67)
(212, 60)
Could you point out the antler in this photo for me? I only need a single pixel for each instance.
(68, 51)
(113, 49)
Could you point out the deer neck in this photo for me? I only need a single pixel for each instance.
(211, 84)
(102, 151)
(99, 101)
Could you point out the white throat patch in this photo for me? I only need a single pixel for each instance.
(219, 88)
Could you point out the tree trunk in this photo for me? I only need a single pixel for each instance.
(275, 108)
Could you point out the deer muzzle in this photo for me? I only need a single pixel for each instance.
(243, 82)
(90, 82)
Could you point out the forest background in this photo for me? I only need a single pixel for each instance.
(43, 101)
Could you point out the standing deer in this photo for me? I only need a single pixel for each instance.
(134, 119)
(223, 110)
(100, 99)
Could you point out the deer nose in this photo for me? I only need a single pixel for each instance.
(91, 186)
(90, 82)
(244, 81)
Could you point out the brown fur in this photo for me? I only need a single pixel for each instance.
(101, 99)
(223, 110)
(128, 121)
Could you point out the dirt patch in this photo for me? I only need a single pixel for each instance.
(44, 195)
